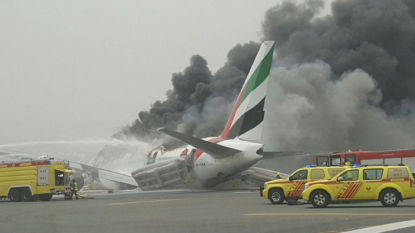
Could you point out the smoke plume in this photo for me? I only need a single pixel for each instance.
(375, 36)
(341, 81)
(307, 110)
(200, 102)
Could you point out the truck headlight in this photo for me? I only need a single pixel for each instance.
(265, 186)
(305, 187)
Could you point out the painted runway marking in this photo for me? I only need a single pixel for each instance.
(142, 202)
(386, 227)
(331, 214)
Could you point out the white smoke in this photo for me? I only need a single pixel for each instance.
(113, 142)
(85, 151)
(307, 111)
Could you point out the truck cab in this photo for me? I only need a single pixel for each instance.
(336, 159)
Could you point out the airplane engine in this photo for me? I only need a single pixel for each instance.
(168, 174)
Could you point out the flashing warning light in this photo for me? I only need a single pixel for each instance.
(308, 165)
(356, 165)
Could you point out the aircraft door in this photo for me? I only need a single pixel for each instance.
(190, 159)
(192, 155)
(151, 158)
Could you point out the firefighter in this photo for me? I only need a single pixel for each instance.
(74, 189)
(278, 176)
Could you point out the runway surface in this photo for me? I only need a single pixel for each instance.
(193, 211)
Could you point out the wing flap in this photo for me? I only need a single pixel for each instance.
(215, 150)
(104, 174)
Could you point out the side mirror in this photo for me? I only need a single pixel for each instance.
(290, 178)
(340, 178)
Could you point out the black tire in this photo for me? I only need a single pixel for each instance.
(34, 198)
(26, 195)
(14, 195)
(320, 199)
(276, 196)
(389, 197)
(68, 197)
(45, 197)
(293, 199)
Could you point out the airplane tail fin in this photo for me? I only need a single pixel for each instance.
(247, 116)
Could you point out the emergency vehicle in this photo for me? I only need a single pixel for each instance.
(276, 191)
(387, 184)
(406, 157)
(33, 180)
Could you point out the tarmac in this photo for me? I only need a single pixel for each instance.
(194, 211)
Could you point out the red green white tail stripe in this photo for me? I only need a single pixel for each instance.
(247, 116)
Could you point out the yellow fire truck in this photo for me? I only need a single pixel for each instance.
(33, 180)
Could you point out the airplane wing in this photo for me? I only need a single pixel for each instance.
(215, 150)
(251, 178)
(103, 174)
(279, 154)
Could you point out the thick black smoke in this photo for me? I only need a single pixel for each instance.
(364, 48)
(377, 36)
(200, 102)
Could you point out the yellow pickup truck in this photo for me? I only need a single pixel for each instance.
(276, 191)
(387, 184)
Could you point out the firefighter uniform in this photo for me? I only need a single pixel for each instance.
(74, 189)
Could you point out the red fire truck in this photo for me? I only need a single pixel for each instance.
(391, 157)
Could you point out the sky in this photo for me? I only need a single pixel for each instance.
(79, 70)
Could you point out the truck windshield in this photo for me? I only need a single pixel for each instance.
(335, 160)
(322, 160)
(350, 158)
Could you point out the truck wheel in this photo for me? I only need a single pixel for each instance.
(45, 197)
(320, 199)
(14, 195)
(389, 198)
(34, 198)
(276, 196)
(26, 194)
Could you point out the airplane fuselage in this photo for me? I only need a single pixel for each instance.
(211, 161)
(207, 171)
